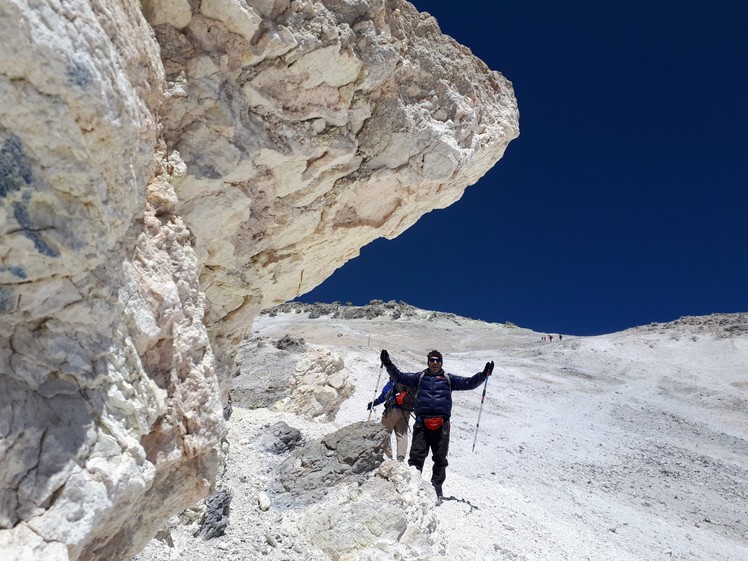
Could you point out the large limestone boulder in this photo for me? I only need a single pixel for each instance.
(167, 169)
(111, 408)
(308, 129)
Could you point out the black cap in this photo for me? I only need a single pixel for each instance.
(435, 353)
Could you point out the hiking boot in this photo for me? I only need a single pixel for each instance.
(439, 495)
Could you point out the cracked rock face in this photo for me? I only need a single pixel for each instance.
(309, 129)
(167, 169)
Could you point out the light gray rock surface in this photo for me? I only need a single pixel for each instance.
(167, 169)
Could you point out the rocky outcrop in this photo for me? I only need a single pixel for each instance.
(308, 129)
(307, 497)
(719, 325)
(309, 382)
(307, 474)
(374, 309)
(109, 395)
(390, 516)
(167, 169)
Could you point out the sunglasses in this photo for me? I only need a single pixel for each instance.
(434, 359)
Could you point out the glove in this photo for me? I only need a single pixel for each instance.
(369, 405)
(488, 370)
(385, 358)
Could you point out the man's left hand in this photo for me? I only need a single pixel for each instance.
(488, 370)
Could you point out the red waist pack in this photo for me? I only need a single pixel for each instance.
(433, 423)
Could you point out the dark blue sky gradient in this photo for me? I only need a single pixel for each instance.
(625, 199)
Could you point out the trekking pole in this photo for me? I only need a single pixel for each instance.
(376, 389)
(480, 411)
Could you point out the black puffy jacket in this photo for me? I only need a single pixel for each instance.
(434, 398)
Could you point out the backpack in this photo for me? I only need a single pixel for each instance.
(405, 397)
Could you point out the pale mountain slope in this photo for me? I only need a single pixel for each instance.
(623, 447)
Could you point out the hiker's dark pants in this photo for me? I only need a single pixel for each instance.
(438, 442)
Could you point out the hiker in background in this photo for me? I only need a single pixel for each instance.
(550, 337)
(433, 409)
(398, 403)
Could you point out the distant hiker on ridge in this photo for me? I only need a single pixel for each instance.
(433, 410)
(398, 403)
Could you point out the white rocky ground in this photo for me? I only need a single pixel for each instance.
(628, 446)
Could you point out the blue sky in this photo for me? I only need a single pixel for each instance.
(625, 199)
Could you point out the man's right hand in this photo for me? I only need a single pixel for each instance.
(385, 358)
(370, 405)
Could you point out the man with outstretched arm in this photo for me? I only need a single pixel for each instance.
(433, 409)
